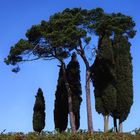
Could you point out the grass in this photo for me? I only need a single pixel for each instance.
(70, 136)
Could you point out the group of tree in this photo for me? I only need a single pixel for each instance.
(61, 103)
(111, 72)
(112, 80)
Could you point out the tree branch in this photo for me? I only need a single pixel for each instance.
(82, 54)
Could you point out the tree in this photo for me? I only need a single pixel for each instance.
(124, 84)
(103, 78)
(81, 21)
(61, 104)
(39, 112)
(73, 76)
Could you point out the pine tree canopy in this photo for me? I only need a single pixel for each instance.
(64, 31)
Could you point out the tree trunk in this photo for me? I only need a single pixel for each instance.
(72, 116)
(104, 123)
(106, 120)
(115, 125)
(87, 88)
(120, 127)
(88, 101)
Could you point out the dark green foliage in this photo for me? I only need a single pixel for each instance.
(124, 85)
(103, 78)
(61, 101)
(73, 76)
(61, 104)
(107, 68)
(53, 39)
(16, 52)
(63, 32)
(39, 112)
(108, 24)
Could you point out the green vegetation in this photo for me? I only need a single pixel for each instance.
(103, 79)
(73, 75)
(112, 69)
(69, 136)
(39, 112)
(61, 104)
(123, 84)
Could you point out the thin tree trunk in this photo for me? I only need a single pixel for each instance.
(104, 123)
(72, 116)
(120, 127)
(88, 101)
(115, 125)
(107, 122)
(87, 88)
(106, 119)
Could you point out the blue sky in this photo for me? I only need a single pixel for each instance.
(17, 91)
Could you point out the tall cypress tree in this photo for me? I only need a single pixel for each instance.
(39, 112)
(73, 75)
(61, 104)
(103, 78)
(123, 84)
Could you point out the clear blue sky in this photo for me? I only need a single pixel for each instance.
(17, 91)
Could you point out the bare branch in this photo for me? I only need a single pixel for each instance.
(49, 58)
(27, 60)
(3, 131)
(85, 47)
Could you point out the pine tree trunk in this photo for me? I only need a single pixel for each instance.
(106, 119)
(88, 101)
(120, 127)
(72, 116)
(87, 88)
(115, 125)
(107, 122)
(104, 123)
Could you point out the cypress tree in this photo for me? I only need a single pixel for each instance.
(123, 84)
(61, 104)
(73, 75)
(39, 112)
(103, 78)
